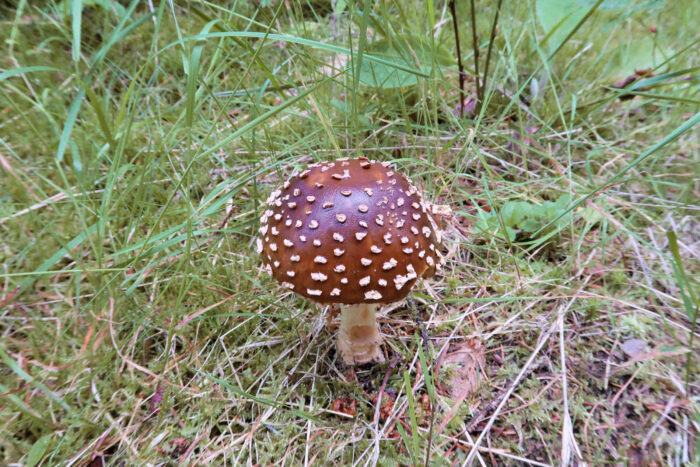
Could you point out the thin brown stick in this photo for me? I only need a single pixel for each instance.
(475, 45)
(226, 219)
(380, 394)
(462, 95)
(491, 39)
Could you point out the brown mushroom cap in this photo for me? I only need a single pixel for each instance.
(349, 231)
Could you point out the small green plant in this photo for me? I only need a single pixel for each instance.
(522, 217)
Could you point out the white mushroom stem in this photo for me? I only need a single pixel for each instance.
(358, 339)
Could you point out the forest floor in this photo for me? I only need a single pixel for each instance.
(139, 140)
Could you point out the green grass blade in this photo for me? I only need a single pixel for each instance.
(415, 436)
(260, 400)
(53, 259)
(24, 70)
(12, 365)
(684, 127)
(77, 16)
(575, 29)
(297, 40)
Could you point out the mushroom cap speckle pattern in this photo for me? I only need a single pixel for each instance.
(349, 231)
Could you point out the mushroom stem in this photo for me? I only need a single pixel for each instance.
(358, 339)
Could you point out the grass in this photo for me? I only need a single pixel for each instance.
(138, 140)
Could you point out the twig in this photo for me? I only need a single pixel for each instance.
(462, 95)
(491, 39)
(226, 219)
(380, 394)
(475, 45)
(188, 453)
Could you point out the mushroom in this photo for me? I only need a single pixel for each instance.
(352, 232)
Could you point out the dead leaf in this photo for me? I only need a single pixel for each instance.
(653, 354)
(179, 445)
(333, 312)
(469, 105)
(633, 347)
(387, 407)
(425, 403)
(464, 361)
(157, 398)
(347, 406)
(628, 80)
